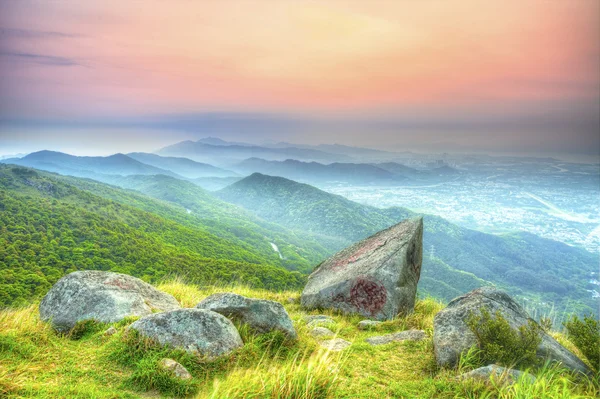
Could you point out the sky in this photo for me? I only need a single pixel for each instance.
(510, 76)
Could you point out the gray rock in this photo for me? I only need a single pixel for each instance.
(320, 332)
(498, 374)
(452, 335)
(110, 331)
(103, 296)
(376, 277)
(261, 315)
(315, 320)
(410, 335)
(197, 331)
(368, 324)
(335, 345)
(175, 368)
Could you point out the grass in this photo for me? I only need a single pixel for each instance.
(37, 362)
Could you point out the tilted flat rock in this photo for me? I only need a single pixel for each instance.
(376, 277)
(103, 296)
(498, 374)
(409, 335)
(261, 315)
(197, 331)
(452, 335)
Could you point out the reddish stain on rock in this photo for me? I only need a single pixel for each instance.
(340, 263)
(119, 283)
(368, 296)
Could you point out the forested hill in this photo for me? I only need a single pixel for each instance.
(190, 205)
(455, 258)
(49, 228)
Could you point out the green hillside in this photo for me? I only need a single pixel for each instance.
(49, 228)
(541, 270)
(190, 205)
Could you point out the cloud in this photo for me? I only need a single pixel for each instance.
(12, 33)
(39, 59)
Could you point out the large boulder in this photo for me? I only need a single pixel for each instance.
(261, 315)
(452, 336)
(103, 296)
(376, 277)
(196, 331)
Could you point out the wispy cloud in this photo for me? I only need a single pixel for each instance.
(39, 59)
(12, 33)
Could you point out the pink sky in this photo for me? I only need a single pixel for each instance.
(108, 59)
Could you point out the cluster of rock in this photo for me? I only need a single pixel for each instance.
(376, 278)
(206, 330)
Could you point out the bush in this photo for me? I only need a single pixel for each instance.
(585, 334)
(501, 344)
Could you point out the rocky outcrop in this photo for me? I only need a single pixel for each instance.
(452, 335)
(176, 369)
(103, 296)
(197, 331)
(410, 335)
(261, 315)
(376, 277)
(497, 374)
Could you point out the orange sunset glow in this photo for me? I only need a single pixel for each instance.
(107, 59)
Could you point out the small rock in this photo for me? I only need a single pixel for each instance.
(102, 296)
(335, 345)
(197, 331)
(498, 374)
(261, 315)
(368, 324)
(318, 332)
(376, 277)
(314, 320)
(291, 300)
(111, 331)
(177, 369)
(410, 335)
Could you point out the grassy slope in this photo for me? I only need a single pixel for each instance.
(36, 362)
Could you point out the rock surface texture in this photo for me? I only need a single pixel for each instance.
(376, 277)
(261, 315)
(103, 296)
(410, 335)
(175, 368)
(321, 332)
(452, 335)
(317, 319)
(335, 345)
(197, 331)
(498, 374)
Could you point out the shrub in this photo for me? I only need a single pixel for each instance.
(500, 343)
(585, 334)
